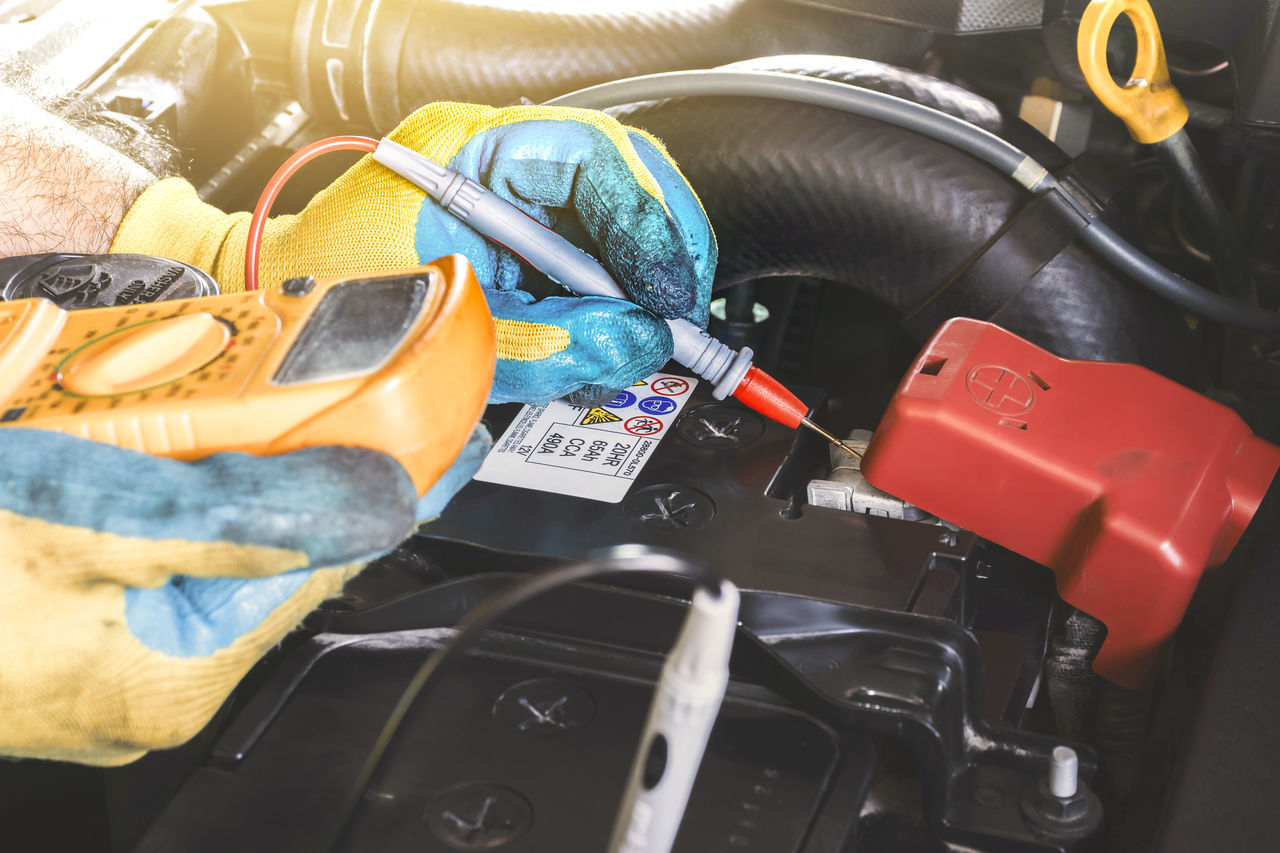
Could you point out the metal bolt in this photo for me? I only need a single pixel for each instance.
(1064, 770)
(1058, 806)
(478, 816)
(670, 507)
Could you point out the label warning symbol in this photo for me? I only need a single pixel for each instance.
(643, 425)
(671, 386)
(599, 415)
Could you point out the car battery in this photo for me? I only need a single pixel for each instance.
(855, 627)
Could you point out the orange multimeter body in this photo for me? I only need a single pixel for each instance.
(399, 362)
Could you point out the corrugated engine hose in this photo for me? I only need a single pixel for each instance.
(794, 189)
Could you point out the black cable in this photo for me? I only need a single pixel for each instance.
(1209, 215)
(952, 131)
(1156, 278)
(623, 559)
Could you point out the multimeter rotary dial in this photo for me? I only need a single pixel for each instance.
(145, 356)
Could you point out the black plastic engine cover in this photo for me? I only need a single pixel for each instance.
(517, 750)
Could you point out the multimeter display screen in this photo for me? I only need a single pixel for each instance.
(357, 326)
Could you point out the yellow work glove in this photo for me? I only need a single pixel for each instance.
(611, 189)
(138, 591)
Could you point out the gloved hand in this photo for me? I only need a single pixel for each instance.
(611, 189)
(138, 590)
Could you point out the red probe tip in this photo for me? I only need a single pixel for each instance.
(766, 395)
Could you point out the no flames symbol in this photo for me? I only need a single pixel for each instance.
(1000, 389)
(670, 386)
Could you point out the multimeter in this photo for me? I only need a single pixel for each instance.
(399, 362)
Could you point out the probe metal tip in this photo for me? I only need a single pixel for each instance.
(831, 438)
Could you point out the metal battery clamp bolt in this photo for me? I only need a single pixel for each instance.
(1058, 806)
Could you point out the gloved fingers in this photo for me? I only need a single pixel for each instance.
(193, 617)
(198, 635)
(688, 215)
(196, 616)
(458, 475)
(585, 162)
(99, 677)
(94, 511)
(554, 347)
(439, 233)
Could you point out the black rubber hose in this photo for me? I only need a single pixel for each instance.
(1213, 222)
(370, 63)
(799, 190)
(958, 134)
(791, 190)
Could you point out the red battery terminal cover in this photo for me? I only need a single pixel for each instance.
(1125, 483)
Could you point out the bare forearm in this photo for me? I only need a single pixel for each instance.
(60, 189)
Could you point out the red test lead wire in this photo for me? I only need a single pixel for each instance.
(304, 155)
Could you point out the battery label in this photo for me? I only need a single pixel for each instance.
(584, 451)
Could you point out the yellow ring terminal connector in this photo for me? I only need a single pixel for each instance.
(1148, 104)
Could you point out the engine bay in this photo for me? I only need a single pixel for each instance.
(900, 680)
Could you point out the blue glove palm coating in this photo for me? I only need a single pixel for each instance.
(570, 176)
(341, 505)
(337, 505)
